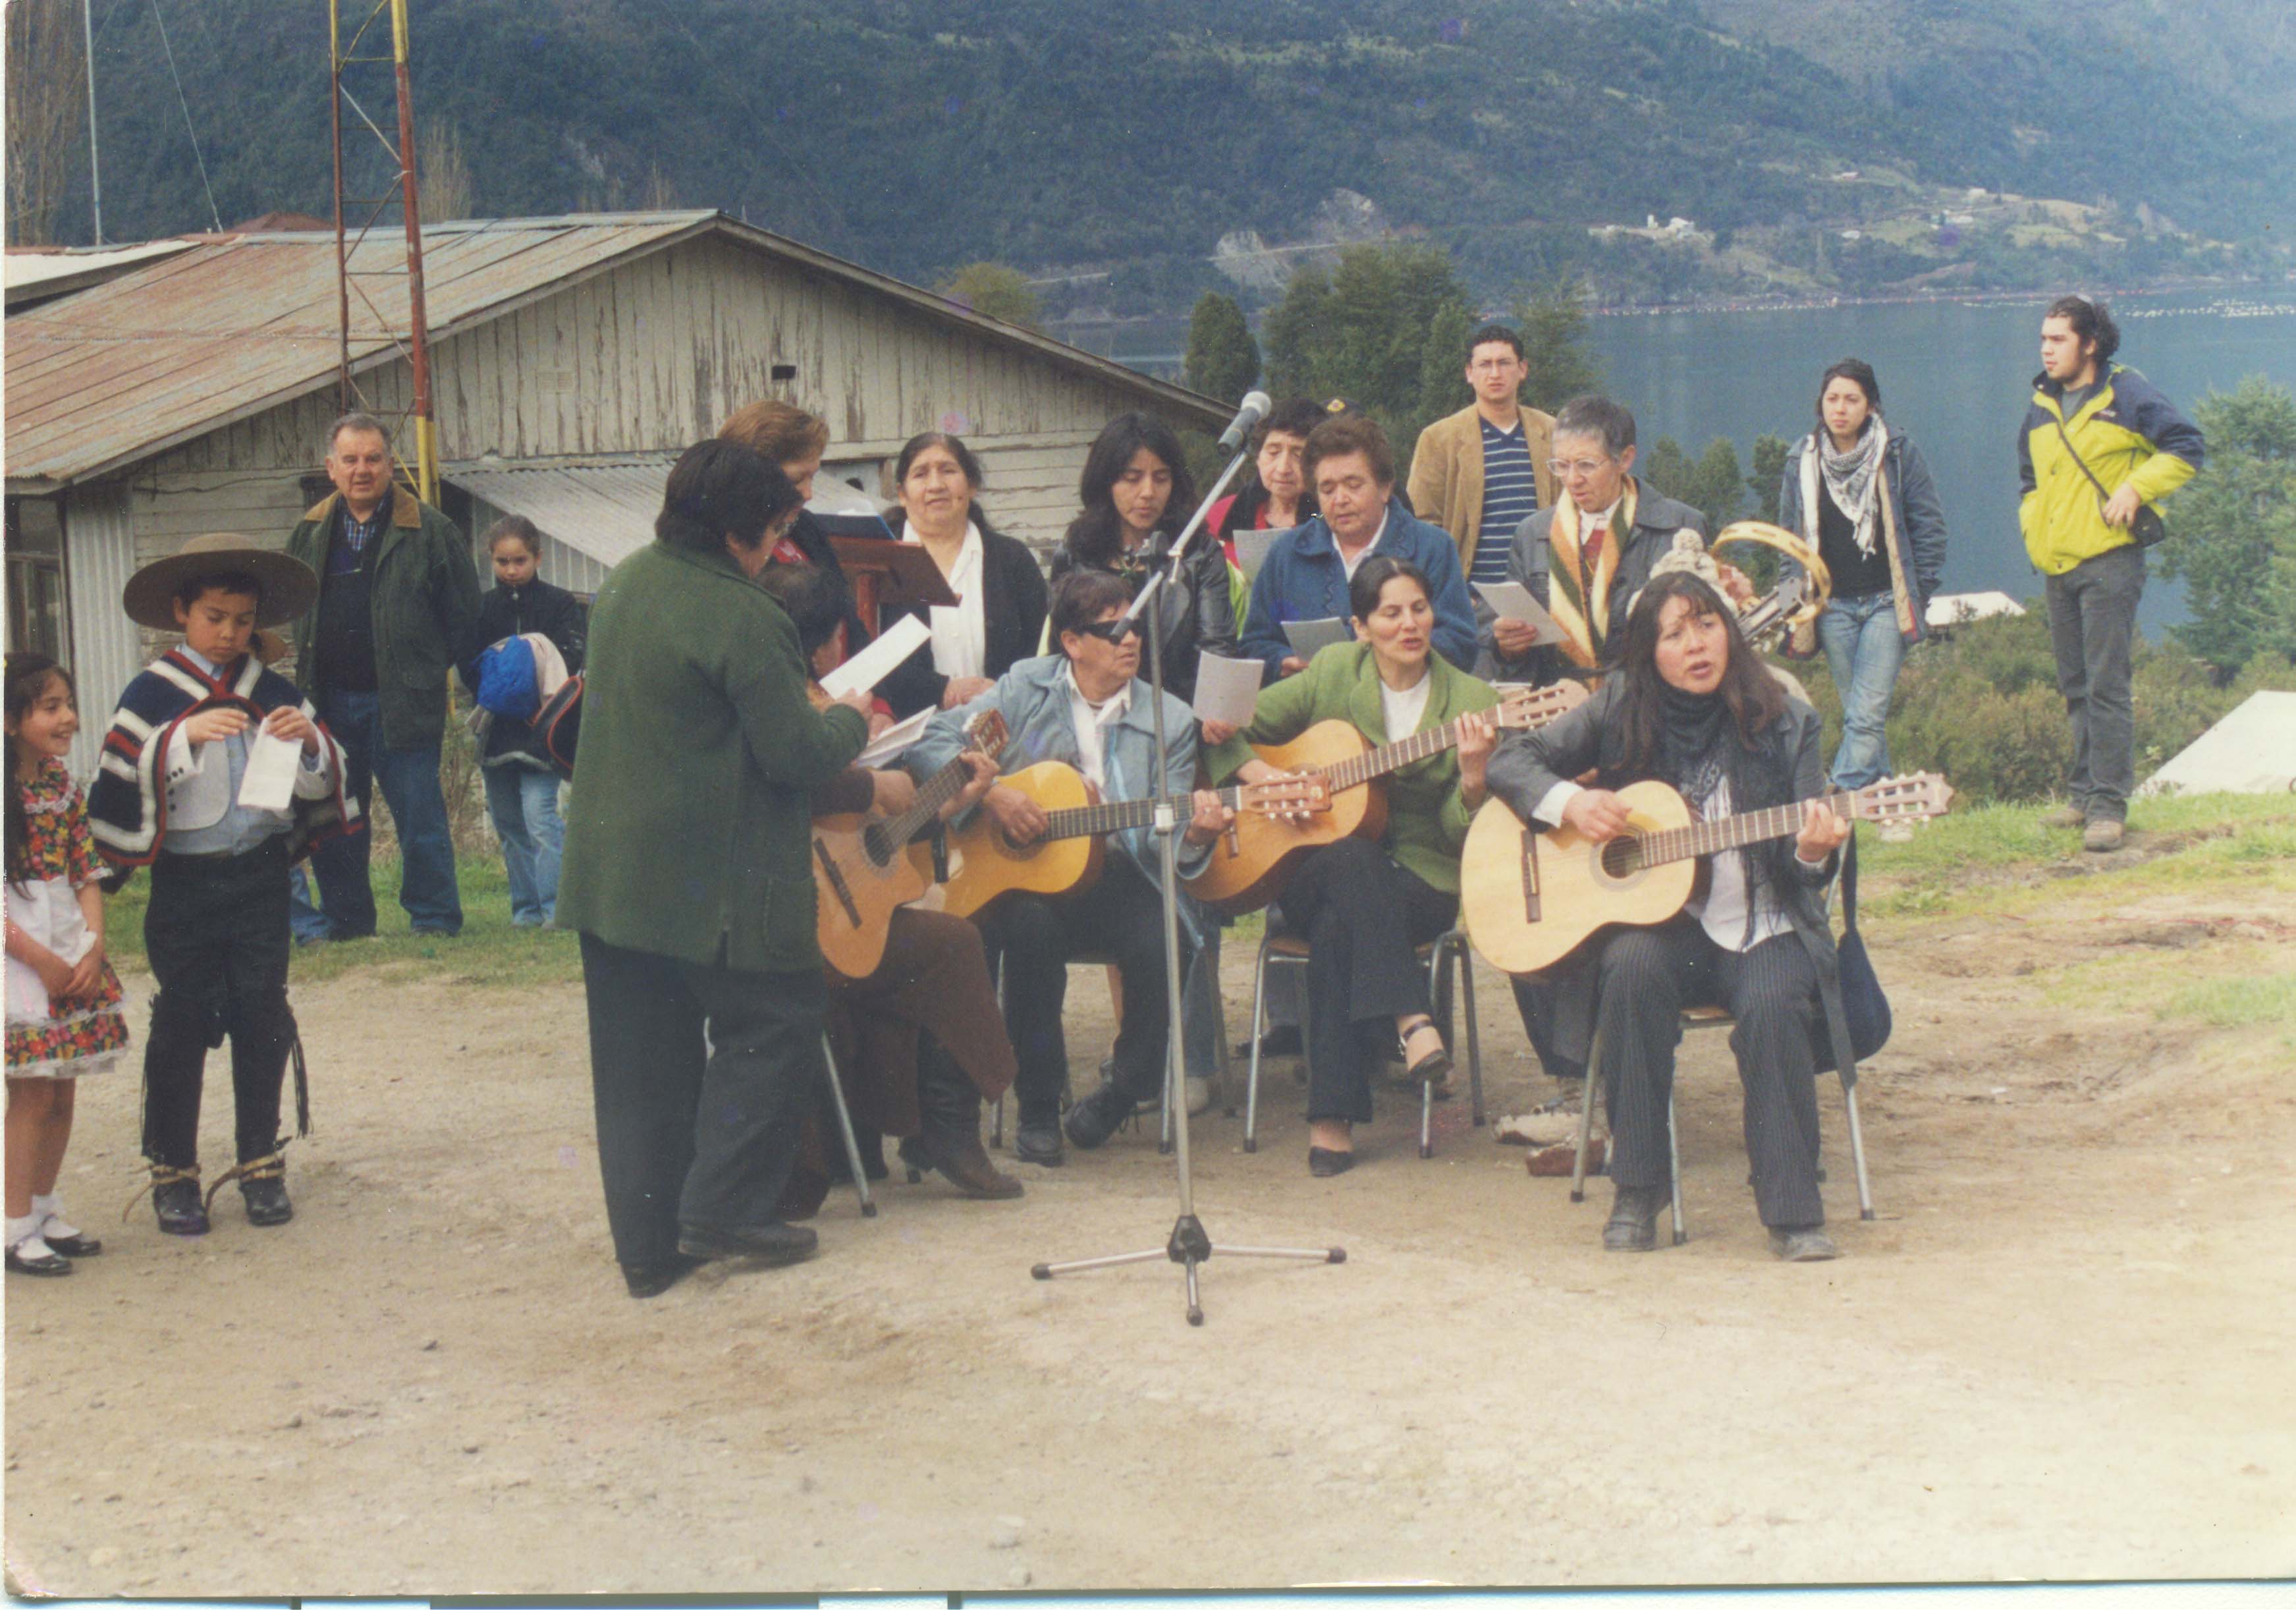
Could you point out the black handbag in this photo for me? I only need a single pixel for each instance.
(558, 726)
(1865, 1008)
(2147, 527)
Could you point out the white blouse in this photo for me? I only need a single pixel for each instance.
(960, 632)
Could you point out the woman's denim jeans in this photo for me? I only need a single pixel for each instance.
(1863, 651)
(524, 805)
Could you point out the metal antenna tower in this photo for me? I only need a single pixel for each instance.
(354, 270)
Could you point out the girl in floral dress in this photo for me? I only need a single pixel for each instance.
(64, 1019)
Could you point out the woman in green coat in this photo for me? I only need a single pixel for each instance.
(685, 873)
(1365, 906)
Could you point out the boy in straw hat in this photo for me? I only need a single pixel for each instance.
(174, 793)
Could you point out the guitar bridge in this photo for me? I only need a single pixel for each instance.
(1530, 873)
(837, 882)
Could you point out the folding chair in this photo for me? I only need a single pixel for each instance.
(845, 1128)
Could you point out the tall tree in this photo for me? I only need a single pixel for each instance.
(1363, 332)
(1553, 320)
(1223, 359)
(46, 118)
(442, 175)
(1766, 482)
(995, 289)
(2233, 530)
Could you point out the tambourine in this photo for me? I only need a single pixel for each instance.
(1792, 606)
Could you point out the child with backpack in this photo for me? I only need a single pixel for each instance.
(510, 684)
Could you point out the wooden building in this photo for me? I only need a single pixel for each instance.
(572, 359)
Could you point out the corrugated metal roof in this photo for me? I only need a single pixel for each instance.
(239, 323)
(35, 274)
(604, 510)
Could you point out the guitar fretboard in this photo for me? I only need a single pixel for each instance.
(1732, 833)
(1122, 816)
(885, 839)
(1360, 769)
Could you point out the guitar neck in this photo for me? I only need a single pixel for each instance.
(1122, 816)
(1360, 769)
(936, 791)
(1734, 832)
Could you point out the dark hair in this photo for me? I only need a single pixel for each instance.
(1859, 372)
(1344, 433)
(776, 431)
(1488, 333)
(1371, 579)
(1096, 536)
(1083, 596)
(718, 490)
(28, 675)
(816, 599)
(358, 420)
(245, 584)
(1754, 695)
(519, 529)
(957, 451)
(1593, 416)
(1293, 416)
(2091, 321)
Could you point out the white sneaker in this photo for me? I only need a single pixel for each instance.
(1895, 832)
(1199, 1094)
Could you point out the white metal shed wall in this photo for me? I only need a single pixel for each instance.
(105, 654)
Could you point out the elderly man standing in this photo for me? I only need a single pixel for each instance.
(397, 608)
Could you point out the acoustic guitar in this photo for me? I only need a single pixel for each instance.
(984, 865)
(1529, 898)
(1251, 865)
(865, 867)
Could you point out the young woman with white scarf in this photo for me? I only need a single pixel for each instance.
(1860, 494)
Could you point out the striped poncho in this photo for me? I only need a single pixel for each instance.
(127, 806)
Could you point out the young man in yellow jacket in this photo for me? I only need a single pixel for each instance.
(2100, 446)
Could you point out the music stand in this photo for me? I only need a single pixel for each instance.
(1189, 1245)
(887, 574)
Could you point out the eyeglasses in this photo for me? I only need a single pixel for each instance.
(1562, 469)
(1111, 631)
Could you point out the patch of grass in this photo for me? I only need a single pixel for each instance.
(488, 951)
(2236, 1003)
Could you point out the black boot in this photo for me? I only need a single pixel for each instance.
(1634, 1218)
(175, 1199)
(950, 1138)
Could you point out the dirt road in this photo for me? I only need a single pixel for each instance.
(2061, 1350)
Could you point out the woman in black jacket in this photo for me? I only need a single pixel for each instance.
(1693, 706)
(1136, 486)
(522, 789)
(999, 614)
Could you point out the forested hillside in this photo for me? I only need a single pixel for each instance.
(1130, 139)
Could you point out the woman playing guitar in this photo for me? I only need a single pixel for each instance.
(1365, 905)
(1691, 706)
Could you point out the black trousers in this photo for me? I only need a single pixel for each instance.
(1648, 975)
(1120, 918)
(1535, 999)
(1362, 914)
(216, 936)
(689, 1131)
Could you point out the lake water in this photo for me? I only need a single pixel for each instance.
(1955, 378)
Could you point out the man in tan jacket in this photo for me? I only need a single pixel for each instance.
(1479, 473)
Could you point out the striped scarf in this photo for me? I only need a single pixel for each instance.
(1579, 603)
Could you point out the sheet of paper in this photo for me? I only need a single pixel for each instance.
(875, 662)
(268, 783)
(1252, 548)
(1512, 600)
(1226, 689)
(894, 739)
(1308, 636)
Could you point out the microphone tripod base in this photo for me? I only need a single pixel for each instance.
(1190, 1247)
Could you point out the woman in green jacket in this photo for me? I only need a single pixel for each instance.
(1365, 906)
(685, 874)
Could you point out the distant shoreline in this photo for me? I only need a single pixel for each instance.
(1928, 299)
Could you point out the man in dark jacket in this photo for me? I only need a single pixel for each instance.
(397, 608)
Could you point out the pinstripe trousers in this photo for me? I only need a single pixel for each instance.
(1648, 975)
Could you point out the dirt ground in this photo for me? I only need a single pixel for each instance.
(2061, 1351)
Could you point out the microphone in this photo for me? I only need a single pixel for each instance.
(1248, 414)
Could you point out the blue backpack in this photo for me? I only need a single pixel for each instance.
(507, 683)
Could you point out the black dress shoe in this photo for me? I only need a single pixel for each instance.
(1634, 1220)
(267, 1201)
(1282, 1040)
(1039, 1143)
(1323, 1162)
(74, 1246)
(1092, 1121)
(771, 1243)
(176, 1203)
(652, 1279)
(1808, 1245)
(22, 1262)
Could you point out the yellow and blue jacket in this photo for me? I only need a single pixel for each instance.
(2128, 432)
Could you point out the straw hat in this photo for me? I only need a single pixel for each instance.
(289, 585)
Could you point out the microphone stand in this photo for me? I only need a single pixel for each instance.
(1190, 1246)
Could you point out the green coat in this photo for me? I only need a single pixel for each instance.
(686, 829)
(426, 611)
(1426, 817)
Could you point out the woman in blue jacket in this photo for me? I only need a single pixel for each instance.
(1860, 494)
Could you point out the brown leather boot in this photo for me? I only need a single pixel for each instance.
(949, 1142)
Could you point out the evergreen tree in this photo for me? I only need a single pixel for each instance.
(1223, 359)
(1768, 481)
(1553, 321)
(2233, 530)
(995, 289)
(1365, 332)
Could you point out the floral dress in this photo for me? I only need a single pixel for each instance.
(58, 1038)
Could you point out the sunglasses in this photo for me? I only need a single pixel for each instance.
(1111, 631)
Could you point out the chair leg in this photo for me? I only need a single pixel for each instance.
(1858, 1150)
(844, 1127)
(1674, 1168)
(1258, 1029)
(1466, 960)
(1438, 996)
(1585, 1121)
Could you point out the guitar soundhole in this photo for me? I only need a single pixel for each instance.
(879, 847)
(1622, 858)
